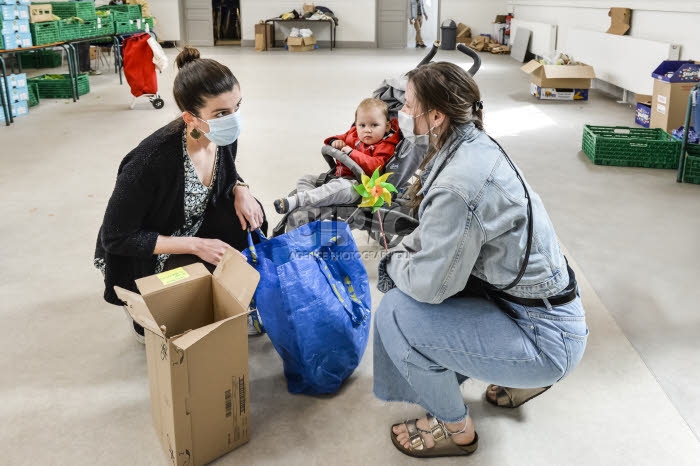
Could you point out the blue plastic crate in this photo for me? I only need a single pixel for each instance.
(10, 41)
(677, 71)
(15, 2)
(18, 93)
(15, 25)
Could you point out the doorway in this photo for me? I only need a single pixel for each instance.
(226, 15)
(430, 29)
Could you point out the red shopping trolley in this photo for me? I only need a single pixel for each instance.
(140, 70)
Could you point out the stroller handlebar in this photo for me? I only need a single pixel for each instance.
(332, 155)
(462, 48)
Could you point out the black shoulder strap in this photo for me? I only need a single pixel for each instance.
(530, 226)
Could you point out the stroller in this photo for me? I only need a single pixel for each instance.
(397, 219)
(141, 56)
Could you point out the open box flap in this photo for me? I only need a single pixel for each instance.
(137, 309)
(569, 71)
(531, 66)
(238, 278)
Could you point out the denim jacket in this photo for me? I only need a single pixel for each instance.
(473, 220)
(413, 8)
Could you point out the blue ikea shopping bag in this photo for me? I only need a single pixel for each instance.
(314, 301)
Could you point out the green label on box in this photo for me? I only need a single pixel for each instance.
(172, 276)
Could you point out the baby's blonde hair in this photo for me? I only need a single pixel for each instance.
(371, 102)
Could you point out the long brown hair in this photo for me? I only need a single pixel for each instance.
(447, 88)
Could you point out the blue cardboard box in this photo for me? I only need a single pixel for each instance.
(643, 114)
(16, 81)
(16, 25)
(12, 12)
(18, 109)
(17, 40)
(677, 71)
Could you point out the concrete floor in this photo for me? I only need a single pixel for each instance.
(74, 388)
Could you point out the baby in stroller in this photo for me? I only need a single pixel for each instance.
(370, 142)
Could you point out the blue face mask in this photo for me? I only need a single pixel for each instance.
(224, 131)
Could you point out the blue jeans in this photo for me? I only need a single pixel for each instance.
(423, 352)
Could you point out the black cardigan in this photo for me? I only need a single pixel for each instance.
(148, 200)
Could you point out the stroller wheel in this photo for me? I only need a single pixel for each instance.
(158, 103)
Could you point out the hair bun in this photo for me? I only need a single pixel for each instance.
(188, 55)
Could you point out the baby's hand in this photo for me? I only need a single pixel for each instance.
(338, 144)
(346, 149)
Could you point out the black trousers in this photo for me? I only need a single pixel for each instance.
(83, 56)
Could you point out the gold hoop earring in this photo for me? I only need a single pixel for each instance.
(195, 133)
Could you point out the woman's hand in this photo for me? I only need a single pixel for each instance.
(209, 250)
(248, 210)
(338, 144)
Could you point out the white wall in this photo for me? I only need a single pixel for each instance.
(357, 18)
(477, 14)
(675, 22)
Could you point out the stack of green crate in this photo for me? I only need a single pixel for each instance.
(691, 170)
(59, 86)
(45, 33)
(41, 59)
(630, 147)
(2, 45)
(123, 27)
(70, 29)
(132, 11)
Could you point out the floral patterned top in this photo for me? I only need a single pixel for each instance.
(196, 200)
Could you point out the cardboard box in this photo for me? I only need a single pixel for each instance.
(301, 44)
(673, 81)
(551, 93)
(309, 8)
(559, 76)
(620, 19)
(197, 355)
(260, 36)
(642, 115)
(14, 26)
(39, 13)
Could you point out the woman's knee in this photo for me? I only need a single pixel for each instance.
(390, 310)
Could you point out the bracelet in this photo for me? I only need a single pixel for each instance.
(240, 183)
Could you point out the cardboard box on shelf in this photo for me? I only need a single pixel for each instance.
(620, 19)
(197, 355)
(260, 36)
(552, 93)
(673, 81)
(301, 44)
(309, 8)
(559, 76)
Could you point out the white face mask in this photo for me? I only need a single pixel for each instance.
(225, 130)
(407, 125)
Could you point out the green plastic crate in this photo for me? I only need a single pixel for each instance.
(88, 29)
(630, 147)
(150, 23)
(106, 29)
(41, 59)
(133, 11)
(83, 10)
(45, 33)
(691, 170)
(58, 86)
(69, 29)
(33, 94)
(114, 15)
(123, 27)
(2, 47)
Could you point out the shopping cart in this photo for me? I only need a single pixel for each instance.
(137, 54)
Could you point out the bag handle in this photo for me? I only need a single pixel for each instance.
(251, 246)
(356, 316)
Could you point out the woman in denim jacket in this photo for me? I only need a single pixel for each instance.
(518, 323)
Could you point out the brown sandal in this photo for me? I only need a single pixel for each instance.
(513, 397)
(444, 445)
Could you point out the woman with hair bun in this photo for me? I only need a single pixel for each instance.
(178, 197)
